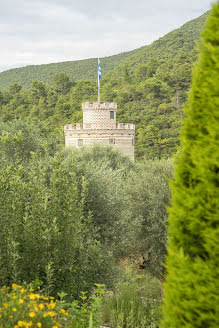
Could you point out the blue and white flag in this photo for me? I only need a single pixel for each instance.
(99, 73)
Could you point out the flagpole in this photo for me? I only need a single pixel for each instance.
(98, 81)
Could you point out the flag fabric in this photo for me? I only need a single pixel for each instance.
(99, 73)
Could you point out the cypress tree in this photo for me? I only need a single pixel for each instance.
(192, 281)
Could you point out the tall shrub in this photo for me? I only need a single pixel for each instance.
(149, 191)
(45, 233)
(191, 289)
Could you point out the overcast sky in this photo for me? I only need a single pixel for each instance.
(45, 31)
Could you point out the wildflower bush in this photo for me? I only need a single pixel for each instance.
(22, 307)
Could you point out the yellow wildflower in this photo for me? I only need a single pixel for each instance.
(41, 306)
(14, 310)
(22, 290)
(36, 308)
(5, 305)
(50, 313)
(32, 296)
(39, 324)
(14, 286)
(64, 312)
(21, 301)
(51, 305)
(10, 316)
(32, 314)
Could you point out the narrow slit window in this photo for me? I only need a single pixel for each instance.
(111, 141)
(112, 114)
(80, 142)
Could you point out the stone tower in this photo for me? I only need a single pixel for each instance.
(99, 126)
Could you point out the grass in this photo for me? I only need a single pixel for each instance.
(135, 303)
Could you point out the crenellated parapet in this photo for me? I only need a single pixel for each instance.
(99, 126)
(102, 106)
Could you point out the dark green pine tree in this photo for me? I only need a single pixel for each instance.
(192, 281)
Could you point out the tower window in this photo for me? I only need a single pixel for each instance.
(112, 114)
(80, 142)
(112, 141)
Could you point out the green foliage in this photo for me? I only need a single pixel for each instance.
(105, 171)
(86, 312)
(191, 290)
(20, 138)
(45, 230)
(62, 83)
(58, 206)
(135, 303)
(149, 194)
(80, 69)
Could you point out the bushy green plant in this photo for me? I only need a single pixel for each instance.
(20, 138)
(191, 289)
(45, 232)
(105, 172)
(149, 193)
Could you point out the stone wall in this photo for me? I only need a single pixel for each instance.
(99, 113)
(118, 139)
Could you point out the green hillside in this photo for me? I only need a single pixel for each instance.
(164, 48)
(150, 87)
(80, 69)
(168, 47)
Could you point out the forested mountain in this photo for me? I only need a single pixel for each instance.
(79, 69)
(166, 47)
(150, 87)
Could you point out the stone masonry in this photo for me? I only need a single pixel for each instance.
(99, 126)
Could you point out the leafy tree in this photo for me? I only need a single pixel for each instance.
(45, 232)
(62, 83)
(15, 88)
(191, 290)
(18, 139)
(149, 194)
(105, 173)
(37, 91)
